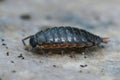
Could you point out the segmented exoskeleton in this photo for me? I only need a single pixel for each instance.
(64, 37)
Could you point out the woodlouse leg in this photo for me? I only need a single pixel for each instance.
(23, 40)
(62, 52)
(43, 52)
(85, 52)
(32, 50)
(72, 54)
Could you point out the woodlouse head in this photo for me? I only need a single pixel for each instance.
(33, 41)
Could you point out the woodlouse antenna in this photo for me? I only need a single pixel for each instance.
(105, 40)
(23, 40)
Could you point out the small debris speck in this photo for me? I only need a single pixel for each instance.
(72, 56)
(83, 65)
(40, 61)
(13, 71)
(7, 53)
(2, 40)
(85, 57)
(88, 71)
(3, 44)
(48, 17)
(12, 61)
(80, 71)
(6, 47)
(54, 66)
(21, 56)
(25, 17)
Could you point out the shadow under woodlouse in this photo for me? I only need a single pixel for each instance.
(68, 51)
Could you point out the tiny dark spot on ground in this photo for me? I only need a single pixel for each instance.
(13, 71)
(85, 57)
(40, 61)
(25, 17)
(88, 71)
(80, 71)
(72, 56)
(7, 53)
(21, 56)
(102, 70)
(54, 66)
(83, 65)
(3, 44)
(2, 39)
(48, 17)
(6, 47)
(12, 61)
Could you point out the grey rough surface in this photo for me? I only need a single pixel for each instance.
(98, 16)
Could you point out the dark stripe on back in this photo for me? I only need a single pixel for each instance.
(76, 35)
(56, 35)
(69, 34)
(49, 37)
(83, 37)
(62, 34)
(40, 36)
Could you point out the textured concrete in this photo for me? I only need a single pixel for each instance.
(98, 16)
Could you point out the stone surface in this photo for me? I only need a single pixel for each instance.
(97, 16)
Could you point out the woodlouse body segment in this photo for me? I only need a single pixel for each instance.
(64, 37)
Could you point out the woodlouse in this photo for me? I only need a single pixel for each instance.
(64, 37)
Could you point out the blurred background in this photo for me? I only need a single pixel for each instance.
(21, 18)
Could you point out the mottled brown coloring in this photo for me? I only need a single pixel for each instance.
(67, 45)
